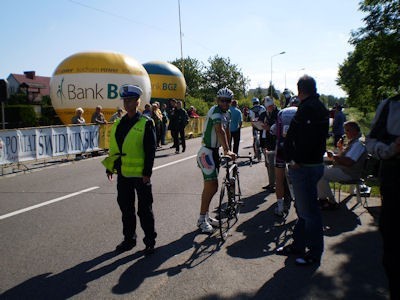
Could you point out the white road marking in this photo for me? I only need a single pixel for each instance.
(17, 212)
(80, 192)
(174, 162)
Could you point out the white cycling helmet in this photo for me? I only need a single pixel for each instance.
(255, 100)
(225, 93)
(268, 101)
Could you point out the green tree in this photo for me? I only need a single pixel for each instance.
(272, 92)
(193, 73)
(222, 73)
(372, 71)
(258, 93)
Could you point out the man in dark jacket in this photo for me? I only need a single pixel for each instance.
(178, 119)
(304, 147)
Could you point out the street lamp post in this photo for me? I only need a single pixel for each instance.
(283, 52)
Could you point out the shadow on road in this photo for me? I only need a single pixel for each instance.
(131, 279)
(362, 269)
(357, 257)
(67, 283)
(73, 281)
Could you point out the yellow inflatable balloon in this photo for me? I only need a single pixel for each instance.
(89, 79)
(167, 81)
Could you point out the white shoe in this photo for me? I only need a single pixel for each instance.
(213, 222)
(204, 226)
(279, 212)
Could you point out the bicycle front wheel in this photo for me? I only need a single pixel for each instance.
(228, 210)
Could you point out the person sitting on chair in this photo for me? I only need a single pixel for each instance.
(346, 165)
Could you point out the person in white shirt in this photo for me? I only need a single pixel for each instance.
(347, 164)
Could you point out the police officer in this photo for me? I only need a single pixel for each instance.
(131, 156)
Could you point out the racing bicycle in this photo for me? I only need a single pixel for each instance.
(230, 194)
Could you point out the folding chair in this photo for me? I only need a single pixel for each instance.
(357, 186)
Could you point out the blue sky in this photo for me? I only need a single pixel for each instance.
(38, 35)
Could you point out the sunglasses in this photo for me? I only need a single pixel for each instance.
(225, 100)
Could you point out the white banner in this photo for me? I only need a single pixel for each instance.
(39, 143)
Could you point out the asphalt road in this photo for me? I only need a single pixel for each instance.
(60, 225)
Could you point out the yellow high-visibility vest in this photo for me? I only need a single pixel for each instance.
(132, 154)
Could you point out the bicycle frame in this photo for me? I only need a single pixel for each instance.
(229, 205)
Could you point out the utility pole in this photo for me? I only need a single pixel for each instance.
(180, 38)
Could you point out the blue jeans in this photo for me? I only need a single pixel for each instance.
(308, 231)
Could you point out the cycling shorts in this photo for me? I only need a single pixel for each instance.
(208, 162)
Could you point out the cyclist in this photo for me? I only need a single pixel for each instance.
(283, 194)
(268, 141)
(215, 135)
(286, 97)
(255, 113)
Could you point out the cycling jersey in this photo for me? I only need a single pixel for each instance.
(285, 116)
(255, 112)
(214, 116)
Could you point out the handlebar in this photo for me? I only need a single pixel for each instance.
(227, 158)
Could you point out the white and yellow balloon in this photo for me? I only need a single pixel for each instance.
(88, 79)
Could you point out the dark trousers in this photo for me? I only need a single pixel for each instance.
(175, 139)
(287, 194)
(126, 200)
(176, 134)
(388, 223)
(163, 133)
(235, 137)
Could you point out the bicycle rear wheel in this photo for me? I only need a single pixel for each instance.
(228, 210)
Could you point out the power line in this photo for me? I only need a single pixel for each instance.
(115, 15)
(136, 22)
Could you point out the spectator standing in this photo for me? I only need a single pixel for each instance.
(347, 164)
(215, 135)
(98, 116)
(181, 119)
(383, 142)
(304, 148)
(133, 136)
(157, 117)
(78, 118)
(268, 140)
(164, 123)
(235, 126)
(117, 115)
(147, 110)
(173, 122)
(338, 123)
(246, 113)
